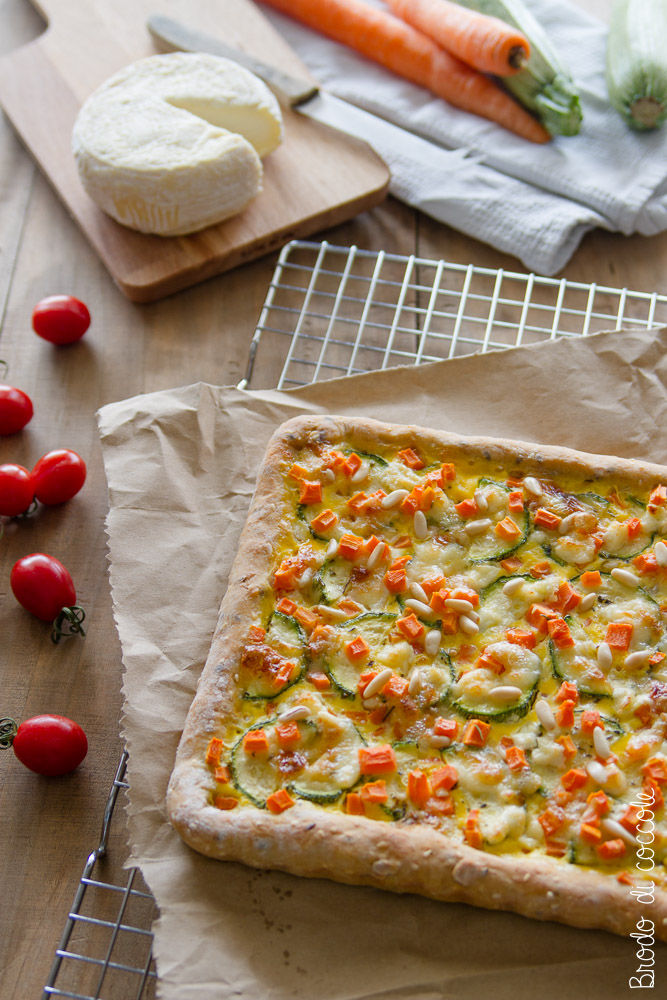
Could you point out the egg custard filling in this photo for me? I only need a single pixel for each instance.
(463, 644)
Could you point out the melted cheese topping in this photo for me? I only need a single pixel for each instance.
(463, 648)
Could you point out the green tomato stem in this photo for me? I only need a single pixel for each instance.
(8, 730)
(68, 622)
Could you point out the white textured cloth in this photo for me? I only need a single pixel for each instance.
(533, 201)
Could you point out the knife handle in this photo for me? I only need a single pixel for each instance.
(288, 89)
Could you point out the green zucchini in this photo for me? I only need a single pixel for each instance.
(327, 768)
(285, 635)
(488, 547)
(332, 580)
(636, 63)
(543, 85)
(374, 629)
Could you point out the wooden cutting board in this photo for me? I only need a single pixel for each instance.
(317, 178)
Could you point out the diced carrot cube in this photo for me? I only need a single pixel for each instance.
(546, 519)
(444, 778)
(471, 830)
(396, 687)
(567, 597)
(465, 594)
(476, 733)
(569, 749)
(590, 578)
(516, 758)
(278, 802)
(512, 564)
(560, 633)
(349, 546)
(611, 849)
(599, 803)
(283, 675)
(319, 680)
(619, 634)
(515, 501)
(657, 498)
(375, 792)
(624, 878)
(521, 637)
(487, 661)
(412, 501)
(256, 633)
(656, 770)
(652, 790)
(448, 471)
(410, 627)
(630, 818)
(286, 606)
(538, 615)
(507, 529)
(352, 464)
(591, 833)
(357, 648)
(646, 562)
(307, 619)
(467, 507)
(540, 569)
(402, 542)
(567, 692)
(575, 778)
(222, 774)
(335, 460)
(565, 714)
(410, 458)
(379, 759)
(225, 802)
(288, 735)
(349, 607)
(633, 527)
(419, 788)
(446, 727)
(590, 720)
(551, 820)
(214, 752)
(430, 584)
(324, 521)
(311, 491)
(256, 741)
(396, 580)
(357, 503)
(354, 804)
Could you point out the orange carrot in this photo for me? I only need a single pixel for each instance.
(405, 51)
(481, 41)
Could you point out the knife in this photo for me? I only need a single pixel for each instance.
(413, 156)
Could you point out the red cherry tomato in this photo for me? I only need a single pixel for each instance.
(58, 476)
(50, 744)
(16, 492)
(60, 319)
(43, 586)
(15, 409)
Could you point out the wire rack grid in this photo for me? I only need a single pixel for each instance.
(332, 311)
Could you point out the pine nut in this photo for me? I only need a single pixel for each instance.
(587, 602)
(506, 693)
(420, 524)
(377, 683)
(533, 486)
(297, 712)
(432, 641)
(332, 548)
(604, 656)
(362, 473)
(625, 577)
(420, 609)
(513, 586)
(459, 604)
(660, 550)
(601, 744)
(393, 499)
(418, 592)
(477, 527)
(468, 626)
(545, 714)
(637, 659)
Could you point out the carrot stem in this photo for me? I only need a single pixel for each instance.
(405, 51)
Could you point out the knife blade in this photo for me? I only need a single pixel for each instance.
(411, 155)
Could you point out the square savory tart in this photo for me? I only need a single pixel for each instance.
(440, 667)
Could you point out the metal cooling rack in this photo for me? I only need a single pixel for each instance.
(332, 311)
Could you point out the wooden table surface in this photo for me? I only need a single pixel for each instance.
(48, 827)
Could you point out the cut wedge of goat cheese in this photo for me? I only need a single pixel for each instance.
(173, 143)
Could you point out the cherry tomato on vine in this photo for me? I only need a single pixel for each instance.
(15, 409)
(60, 319)
(16, 492)
(43, 586)
(58, 476)
(47, 744)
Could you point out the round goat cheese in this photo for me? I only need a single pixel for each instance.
(173, 143)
